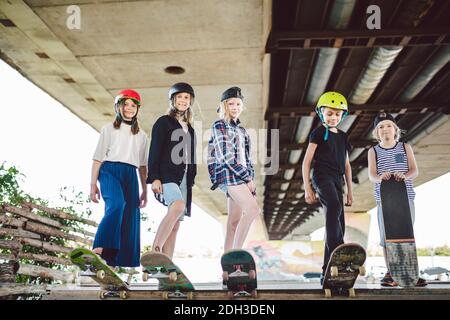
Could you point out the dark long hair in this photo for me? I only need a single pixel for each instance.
(118, 121)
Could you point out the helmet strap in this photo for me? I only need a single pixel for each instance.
(120, 117)
(325, 138)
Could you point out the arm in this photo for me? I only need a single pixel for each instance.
(372, 166)
(413, 171)
(248, 162)
(225, 154)
(310, 197)
(248, 148)
(156, 147)
(143, 176)
(194, 157)
(98, 158)
(95, 193)
(348, 181)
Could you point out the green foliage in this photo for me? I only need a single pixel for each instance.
(437, 251)
(9, 185)
(75, 204)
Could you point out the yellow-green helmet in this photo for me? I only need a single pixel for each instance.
(332, 99)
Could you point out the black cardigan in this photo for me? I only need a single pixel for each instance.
(160, 165)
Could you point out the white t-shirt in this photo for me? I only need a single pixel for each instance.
(121, 145)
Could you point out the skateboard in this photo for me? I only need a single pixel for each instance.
(96, 268)
(239, 273)
(345, 264)
(172, 281)
(399, 234)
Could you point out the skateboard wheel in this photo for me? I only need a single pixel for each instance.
(252, 274)
(145, 276)
(173, 276)
(190, 295)
(362, 271)
(230, 295)
(165, 295)
(334, 271)
(351, 292)
(101, 274)
(101, 294)
(225, 276)
(123, 295)
(254, 294)
(327, 293)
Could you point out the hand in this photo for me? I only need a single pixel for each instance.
(156, 186)
(399, 176)
(310, 196)
(143, 199)
(349, 201)
(95, 193)
(385, 176)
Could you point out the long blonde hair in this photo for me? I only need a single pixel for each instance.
(222, 109)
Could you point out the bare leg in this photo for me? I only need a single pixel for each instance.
(167, 224)
(234, 216)
(169, 246)
(386, 259)
(243, 197)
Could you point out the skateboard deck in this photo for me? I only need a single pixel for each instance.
(399, 233)
(239, 273)
(94, 267)
(172, 281)
(345, 264)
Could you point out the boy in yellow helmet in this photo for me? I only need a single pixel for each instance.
(328, 147)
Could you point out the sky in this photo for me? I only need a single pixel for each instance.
(54, 149)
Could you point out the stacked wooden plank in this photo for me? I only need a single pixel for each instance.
(35, 226)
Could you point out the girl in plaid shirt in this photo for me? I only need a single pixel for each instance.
(230, 168)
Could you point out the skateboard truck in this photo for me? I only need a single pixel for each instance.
(238, 273)
(172, 276)
(177, 294)
(113, 294)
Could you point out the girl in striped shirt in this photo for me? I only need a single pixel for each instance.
(230, 168)
(391, 158)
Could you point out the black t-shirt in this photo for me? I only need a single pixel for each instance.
(329, 158)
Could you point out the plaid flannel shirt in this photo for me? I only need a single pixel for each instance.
(224, 154)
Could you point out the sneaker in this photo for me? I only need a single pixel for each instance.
(421, 283)
(387, 281)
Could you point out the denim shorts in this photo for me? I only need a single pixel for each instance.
(381, 224)
(173, 192)
(224, 188)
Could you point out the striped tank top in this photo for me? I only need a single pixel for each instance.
(392, 160)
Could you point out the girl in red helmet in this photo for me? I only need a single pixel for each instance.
(171, 164)
(122, 148)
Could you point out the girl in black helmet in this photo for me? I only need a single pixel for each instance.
(231, 170)
(171, 164)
